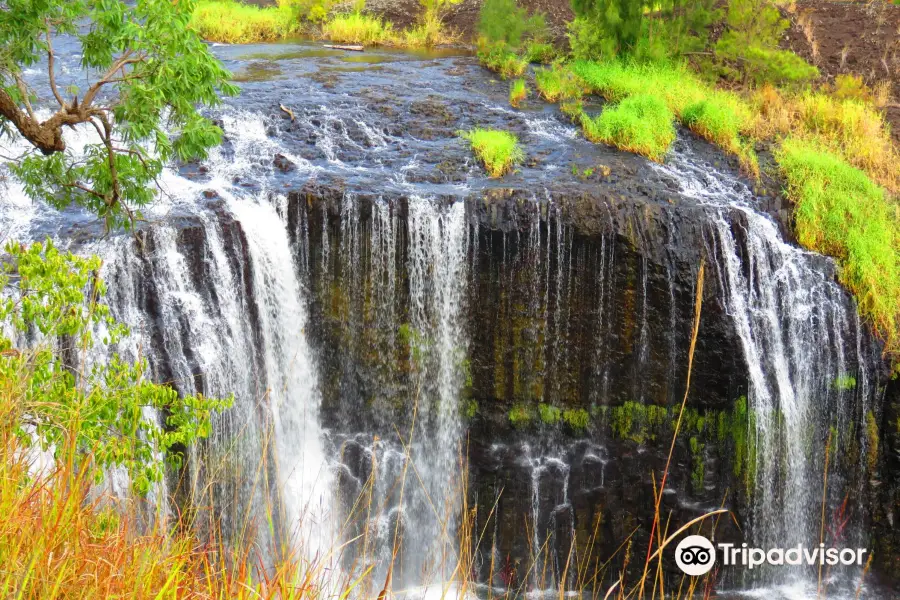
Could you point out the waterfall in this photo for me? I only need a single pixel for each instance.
(801, 337)
(416, 498)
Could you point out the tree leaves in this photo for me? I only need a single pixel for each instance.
(101, 415)
(150, 74)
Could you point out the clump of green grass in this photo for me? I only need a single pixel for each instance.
(641, 123)
(517, 93)
(357, 28)
(841, 212)
(231, 22)
(498, 150)
(558, 83)
(503, 61)
(721, 117)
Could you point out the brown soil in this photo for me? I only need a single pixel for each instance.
(848, 37)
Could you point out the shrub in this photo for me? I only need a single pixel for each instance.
(498, 150)
(539, 52)
(356, 28)
(314, 11)
(748, 49)
(517, 92)
(231, 22)
(503, 22)
(842, 213)
(427, 34)
(549, 414)
(502, 60)
(519, 416)
(576, 418)
(641, 123)
(851, 87)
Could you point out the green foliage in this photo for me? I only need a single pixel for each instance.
(313, 11)
(722, 117)
(470, 408)
(641, 123)
(417, 343)
(498, 58)
(749, 47)
(559, 83)
(503, 22)
(498, 150)
(520, 416)
(576, 418)
(841, 212)
(639, 29)
(517, 93)
(92, 412)
(872, 442)
(158, 73)
(540, 52)
(615, 25)
(844, 383)
(758, 64)
(233, 22)
(638, 422)
(550, 415)
(698, 473)
(357, 28)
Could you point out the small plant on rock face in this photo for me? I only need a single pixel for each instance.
(576, 418)
(517, 93)
(519, 416)
(498, 150)
(550, 415)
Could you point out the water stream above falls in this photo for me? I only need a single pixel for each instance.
(379, 309)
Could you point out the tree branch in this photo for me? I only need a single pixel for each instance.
(51, 59)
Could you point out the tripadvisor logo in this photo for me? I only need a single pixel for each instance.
(695, 555)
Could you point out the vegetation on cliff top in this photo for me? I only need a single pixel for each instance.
(498, 150)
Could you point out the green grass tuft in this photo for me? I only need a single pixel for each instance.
(841, 212)
(517, 93)
(641, 123)
(498, 150)
(503, 61)
(559, 83)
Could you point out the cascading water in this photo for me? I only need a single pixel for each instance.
(801, 341)
(395, 280)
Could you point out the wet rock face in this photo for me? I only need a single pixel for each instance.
(575, 300)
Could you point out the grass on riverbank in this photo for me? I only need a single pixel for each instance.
(498, 150)
(232, 22)
(356, 28)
